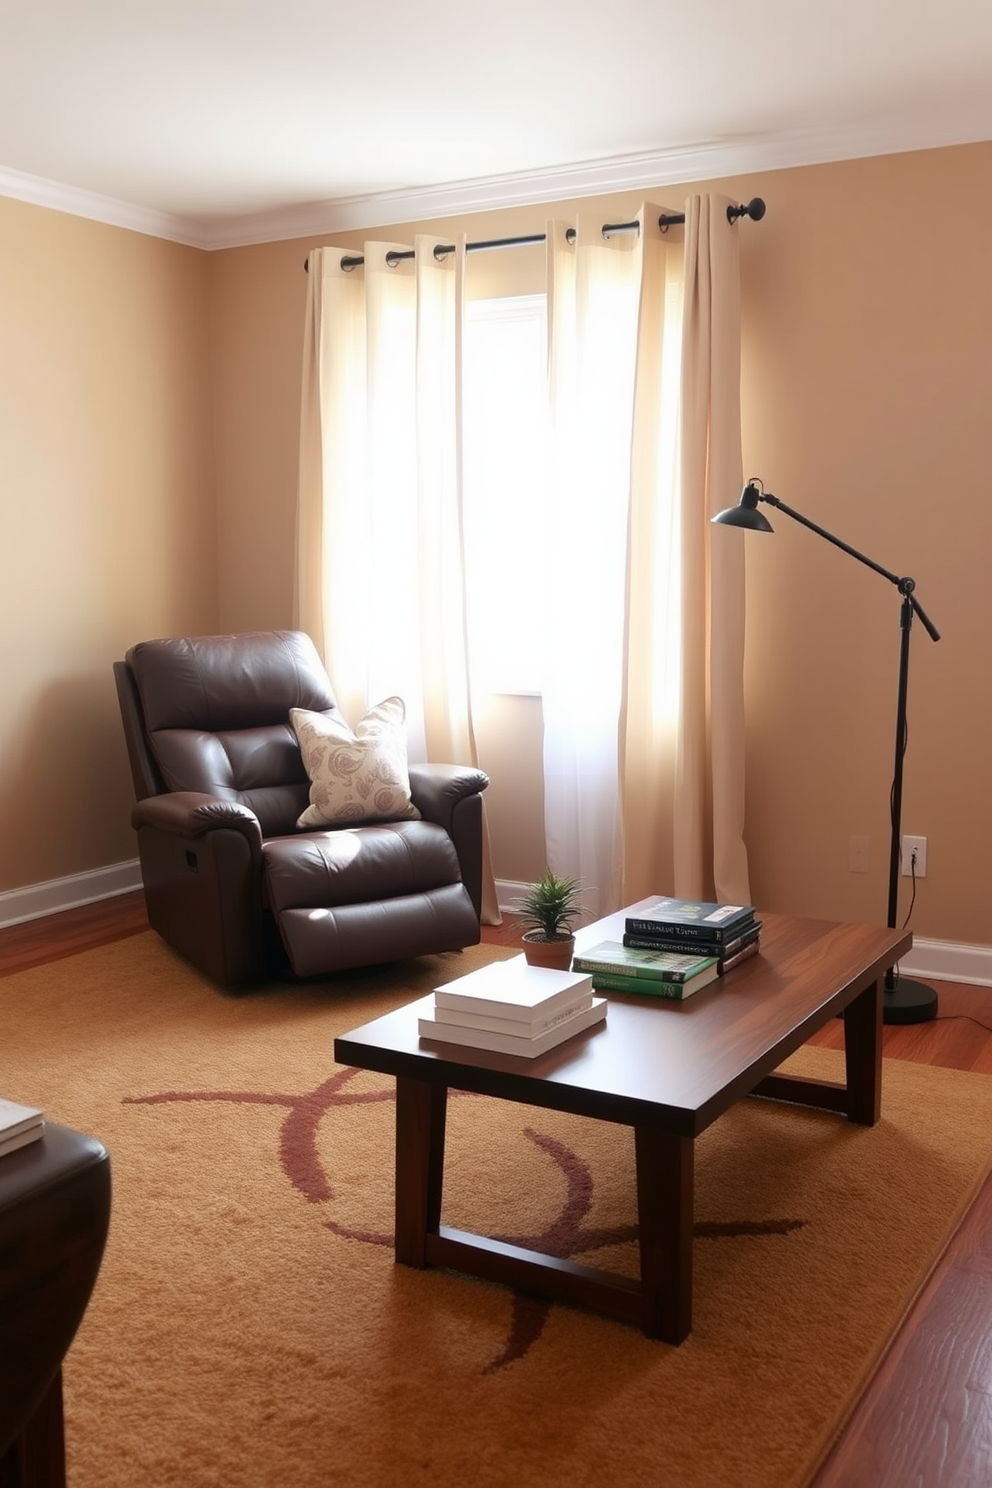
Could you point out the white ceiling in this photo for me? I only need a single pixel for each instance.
(223, 121)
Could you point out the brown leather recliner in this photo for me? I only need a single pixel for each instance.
(230, 881)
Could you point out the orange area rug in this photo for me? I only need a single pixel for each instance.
(250, 1329)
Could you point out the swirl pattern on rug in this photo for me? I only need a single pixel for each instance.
(566, 1236)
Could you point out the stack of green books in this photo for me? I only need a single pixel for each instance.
(675, 975)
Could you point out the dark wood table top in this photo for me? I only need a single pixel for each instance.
(672, 1065)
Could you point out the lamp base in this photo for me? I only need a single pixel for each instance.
(909, 1002)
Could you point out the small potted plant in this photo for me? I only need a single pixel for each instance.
(547, 912)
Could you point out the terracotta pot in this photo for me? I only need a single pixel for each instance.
(557, 953)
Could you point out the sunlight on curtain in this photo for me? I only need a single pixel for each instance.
(379, 553)
(440, 551)
(639, 623)
(390, 584)
(391, 590)
(643, 694)
(652, 677)
(506, 449)
(612, 579)
(332, 516)
(708, 832)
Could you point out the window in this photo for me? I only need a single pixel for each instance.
(507, 506)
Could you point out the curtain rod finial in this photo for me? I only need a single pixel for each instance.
(755, 209)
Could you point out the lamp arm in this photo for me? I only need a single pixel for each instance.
(905, 585)
(925, 620)
(822, 532)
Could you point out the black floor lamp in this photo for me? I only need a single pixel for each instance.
(905, 1001)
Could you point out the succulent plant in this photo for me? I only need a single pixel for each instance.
(550, 905)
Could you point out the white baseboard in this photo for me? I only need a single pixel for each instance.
(946, 961)
(35, 900)
(507, 889)
(939, 960)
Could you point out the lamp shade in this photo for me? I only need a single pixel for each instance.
(746, 513)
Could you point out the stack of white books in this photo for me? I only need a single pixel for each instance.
(511, 1007)
(19, 1125)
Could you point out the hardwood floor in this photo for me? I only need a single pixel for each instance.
(33, 942)
(925, 1418)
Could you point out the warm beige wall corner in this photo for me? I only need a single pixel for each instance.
(108, 519)
(257, 303)
(867, 379)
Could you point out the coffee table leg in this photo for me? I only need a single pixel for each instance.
(863, 1055)
(665, 1223)
(421, 1109)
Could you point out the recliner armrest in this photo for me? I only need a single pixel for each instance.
(201, 862)
(451, 796)
(436, 790)
(192, 814)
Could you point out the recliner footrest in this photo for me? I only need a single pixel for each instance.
(327, 940)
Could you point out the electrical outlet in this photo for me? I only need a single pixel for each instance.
(917, 845)
(859, 854)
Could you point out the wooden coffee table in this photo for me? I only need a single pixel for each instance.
(668, 1071)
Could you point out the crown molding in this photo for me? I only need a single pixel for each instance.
(40, 192)
(651, 171)
(599, 178)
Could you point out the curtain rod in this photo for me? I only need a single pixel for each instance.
(755, 209)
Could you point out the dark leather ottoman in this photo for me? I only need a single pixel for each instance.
(54, 1217)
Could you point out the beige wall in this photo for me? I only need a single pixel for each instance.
(867, 384)
(149, 399)
(257, 300)
(108, 531)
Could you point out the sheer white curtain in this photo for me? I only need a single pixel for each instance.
(708, 840)
(643, 697)
(643, 687)
(593, 304)
(379, 534)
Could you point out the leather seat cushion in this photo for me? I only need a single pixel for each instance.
(357, 865)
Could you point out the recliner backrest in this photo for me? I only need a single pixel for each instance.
(215, 713)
